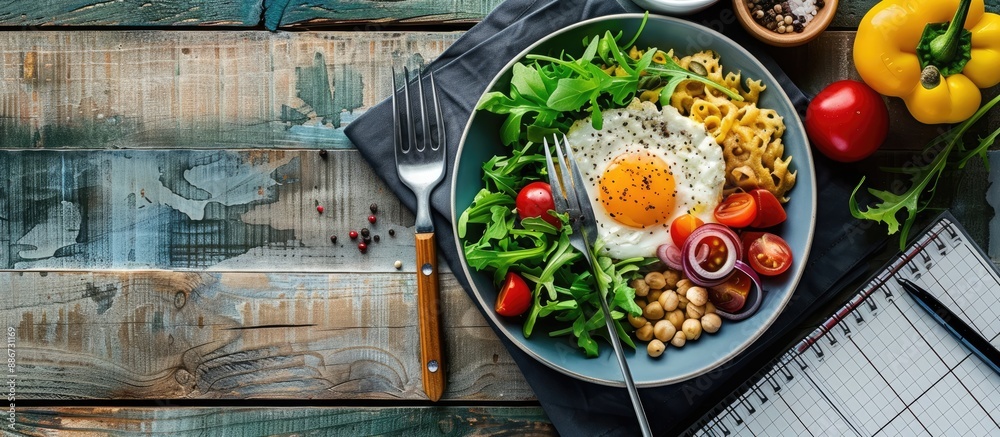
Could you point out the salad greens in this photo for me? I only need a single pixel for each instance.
(546, 96)
(922, 177)
(549, 94)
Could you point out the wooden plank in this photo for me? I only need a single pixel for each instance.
(362, 14)
(850, 12)
(177, 335)
(158, 89)
(239, 13)
(298, 421)
(197, 209)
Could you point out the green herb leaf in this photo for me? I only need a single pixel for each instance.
(921, 178)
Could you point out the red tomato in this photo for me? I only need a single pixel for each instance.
(535, 200)
(730, 296)
(769, 254)
(514, 298)
(737, 211)
(682, 226)
(847, 121)
(769, 209)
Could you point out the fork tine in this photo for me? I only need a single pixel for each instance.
(411, 134)
(397, 135)
(425, 123)
(568, 183)
(576, 178)
(438, 116)
(555, 181)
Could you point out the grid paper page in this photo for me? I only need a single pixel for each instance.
(881, 365)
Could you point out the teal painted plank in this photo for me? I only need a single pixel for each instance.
(242, 421)
(186, 335)
(196, 209)
(159, 89)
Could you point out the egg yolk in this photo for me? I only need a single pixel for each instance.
(637, 189)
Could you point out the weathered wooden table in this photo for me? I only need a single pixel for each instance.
(164, 266)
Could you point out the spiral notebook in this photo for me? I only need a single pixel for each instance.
(880, 365)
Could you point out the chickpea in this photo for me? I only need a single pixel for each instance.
(692, 329)
(697, 295)
(709, 322)
(694, 311)
(668, 300)
(664, 330)
(653, 311)
(683, 285)
(655, 348)
(641, 303)
(679, 339)
(645, 333)
(682, 302)
(709, 308)
(676, 317)
(654, 296)
(636, 322)
(655, 280)
(671, 276)
(640, 286)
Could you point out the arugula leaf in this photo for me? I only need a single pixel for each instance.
(892, 204)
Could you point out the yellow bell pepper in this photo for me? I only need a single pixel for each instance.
(935, 54)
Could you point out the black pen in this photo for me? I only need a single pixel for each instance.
(965, 334)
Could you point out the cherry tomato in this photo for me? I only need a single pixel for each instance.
(847, 121)
(737, 211)
(535, 200)
(769, 209)
(682, 226)
(769, 255)
(514, 298)
(730, 296)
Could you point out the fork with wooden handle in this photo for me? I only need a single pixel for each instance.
(421, 166)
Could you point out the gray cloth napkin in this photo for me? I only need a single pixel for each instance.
(576, 407)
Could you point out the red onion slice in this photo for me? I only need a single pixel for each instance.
(695, 252)
(754, 298)
(670, 255)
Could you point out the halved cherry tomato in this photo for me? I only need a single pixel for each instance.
(737, 211)
(535, 200)
(730, 296)
(769, 209)
(769, 254)
(514, 298)
(682, 226)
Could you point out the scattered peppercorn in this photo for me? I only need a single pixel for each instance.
(374, 208)
(319, 209)
(371, 219)
(363, 247)
(333, 239)
(392, 232)
(784, 16)
(398, 264)
(366, 239)
(353, 235)
(322, 153)
(365, 232)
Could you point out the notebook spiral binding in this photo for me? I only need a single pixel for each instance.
(864, 306)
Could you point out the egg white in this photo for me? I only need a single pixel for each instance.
(694, 157)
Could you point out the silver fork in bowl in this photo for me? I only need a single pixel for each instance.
(570, 197)
(420, 166)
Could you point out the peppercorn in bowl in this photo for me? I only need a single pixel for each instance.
(785, 23)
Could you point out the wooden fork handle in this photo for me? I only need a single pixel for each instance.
(429, 312)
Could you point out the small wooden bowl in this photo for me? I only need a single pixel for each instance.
(815, 27)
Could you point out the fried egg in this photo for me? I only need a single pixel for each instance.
(645, 167)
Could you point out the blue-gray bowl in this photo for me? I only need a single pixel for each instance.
(481, 141)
